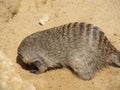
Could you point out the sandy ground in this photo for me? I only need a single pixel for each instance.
(103, 13)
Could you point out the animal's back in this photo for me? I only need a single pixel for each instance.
(70, 37)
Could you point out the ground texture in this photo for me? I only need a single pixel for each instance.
(19, 18)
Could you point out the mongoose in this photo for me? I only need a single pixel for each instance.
(82, 47)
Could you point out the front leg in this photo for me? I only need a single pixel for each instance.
(37, 67)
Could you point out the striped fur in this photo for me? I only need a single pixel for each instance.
(82, 47)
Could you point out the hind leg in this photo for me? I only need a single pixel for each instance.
(83, 72)
(114, 59)
(85, 68)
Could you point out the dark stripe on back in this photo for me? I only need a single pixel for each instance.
(95, 30)
(82, 28)
(105, 41)
(75, 24)
(75, 29)
(89, 28)
(101, 37)
(63, 29)
(68, 29)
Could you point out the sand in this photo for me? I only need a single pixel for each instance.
(16, 24)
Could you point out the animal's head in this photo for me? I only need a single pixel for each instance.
(36, 66)
(29, 58)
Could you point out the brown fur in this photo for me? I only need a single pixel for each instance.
(82, 47)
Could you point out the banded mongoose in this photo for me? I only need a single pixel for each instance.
(82, 47)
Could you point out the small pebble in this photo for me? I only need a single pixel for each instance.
(44, 18)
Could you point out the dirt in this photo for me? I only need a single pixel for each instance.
(102, 13)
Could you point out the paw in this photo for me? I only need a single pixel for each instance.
(35, 71)
(86, 77)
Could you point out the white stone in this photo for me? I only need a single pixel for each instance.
(44, 18)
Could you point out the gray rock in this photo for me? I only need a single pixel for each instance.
(9, 77)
